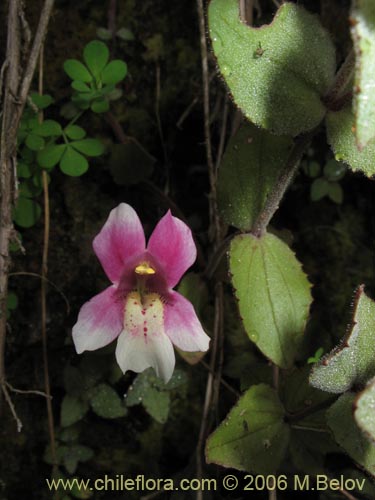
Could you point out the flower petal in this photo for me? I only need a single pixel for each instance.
(143, 342)
(133, 353)
(99, 321)
(173, 246)
(120, 239)
(182, 325)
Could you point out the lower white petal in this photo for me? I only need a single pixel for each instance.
(143, 342)
(134, 353)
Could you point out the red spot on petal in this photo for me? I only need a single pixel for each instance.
(145, 329)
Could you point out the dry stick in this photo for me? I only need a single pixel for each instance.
(215, 239)
(43, 290)
(14, 102)
(7, 159)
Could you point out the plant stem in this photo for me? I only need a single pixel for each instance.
(282, 184)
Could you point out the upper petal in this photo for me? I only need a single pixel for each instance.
(99, 321)
(173, 246)
(182, 325)
(120, 239)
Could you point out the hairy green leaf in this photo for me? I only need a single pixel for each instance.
(363, 33)
(352, 362)
(273, 293)
(106, 402)
(348, 435)
(73, 409)
(249, 169)
(254, 436)
(278, 73)
(340, 126)
(364, 410)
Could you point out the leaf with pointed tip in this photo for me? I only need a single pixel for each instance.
(341, 137)
(249, 169)
(352, 362)
(273, 293)
(278, 73)
(254, 436)
(348, 435)
(364, 410)
(363, 34)
(106, 402)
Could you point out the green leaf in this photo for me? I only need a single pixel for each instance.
(73, 409)
(125, 34)
(77, 71)
(342, 140)
(364, 410)
(28, 189)
(89, 147)
(335, 192)
(74, 132)
(334, 170)
(129, 163)
(12, 301)
(157, 404)
(34, 142)
(106, 402)
(50, 155)
(100, 106)
(23, 170)
(96, 55)
(80, 86)
(277, 74)
(104, 34)
(73, 163)
(26, 212)
(273, 293)
(363, 33)
(249, 169)
(41, 101)
(312, 169)
(114, 72)
(348, 435)
(254, 436)
(48, 128)
(74, 454)
(319, 189)
(352, 362)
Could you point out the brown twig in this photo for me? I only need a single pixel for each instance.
(28, 391)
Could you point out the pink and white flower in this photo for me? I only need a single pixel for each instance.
(140, 308)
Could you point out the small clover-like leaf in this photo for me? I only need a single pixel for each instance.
(341, 136)
(334, 170)
(73, 409)
(273, 293)
(34, 142)
(363, 33)
(96, 55)
(50, 155)
(125, 34)
(249, 169)
(100, 106)
(364, 410)
(106, 402)
(26, 212)
(48, 128)
(277, 73)
(114, 72)
(335, 192)
(23, 170)
(74, 132)
(73, 163)
(77, 71)
(319, 189)
(81, 86)
(254, 436)
(352, 362)
(348, 435)
(89, 147)
(41, 101)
